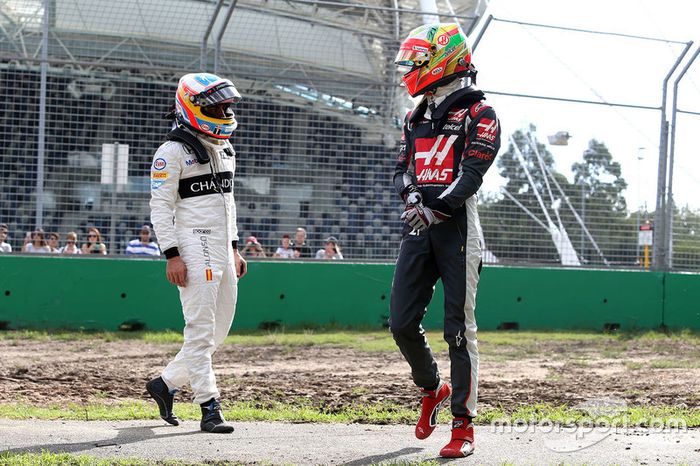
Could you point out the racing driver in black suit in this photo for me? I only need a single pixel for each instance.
(450, 140)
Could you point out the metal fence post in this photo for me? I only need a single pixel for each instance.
(220, 35)
(205, 39)
(660, 252)
(41, 142)
(482, 32)
(668, 233)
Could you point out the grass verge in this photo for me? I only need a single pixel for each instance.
(363, 340)
(385, 413)
(301, 411)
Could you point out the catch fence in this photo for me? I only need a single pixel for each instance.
(318, 128)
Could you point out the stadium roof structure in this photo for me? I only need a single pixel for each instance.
(300, 48)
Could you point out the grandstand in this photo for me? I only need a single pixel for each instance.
(318, 124)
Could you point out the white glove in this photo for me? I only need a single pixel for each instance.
(414, 198)
(419, 217)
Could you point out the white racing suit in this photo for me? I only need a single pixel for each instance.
(194, 215)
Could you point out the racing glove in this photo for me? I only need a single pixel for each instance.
(412, 196)
(420, 217)
(414, 199)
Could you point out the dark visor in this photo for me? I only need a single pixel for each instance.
(223, 93)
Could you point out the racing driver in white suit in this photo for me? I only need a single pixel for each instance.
(194, 215)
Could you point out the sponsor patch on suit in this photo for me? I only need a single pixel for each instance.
(159, 164)
(203, 185)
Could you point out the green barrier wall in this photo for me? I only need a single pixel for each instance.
(682, 301)
(103, 293)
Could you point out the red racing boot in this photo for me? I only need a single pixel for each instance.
(462, 442)
(431, 404)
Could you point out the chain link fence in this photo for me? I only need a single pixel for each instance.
(317, 137)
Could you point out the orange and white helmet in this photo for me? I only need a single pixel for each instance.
(203, 103)
(434, 55)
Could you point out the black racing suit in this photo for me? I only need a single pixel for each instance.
(445, 157)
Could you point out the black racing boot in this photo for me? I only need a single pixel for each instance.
(213, 419)
(160, 392)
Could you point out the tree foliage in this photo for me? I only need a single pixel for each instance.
(596, 194)
(601, 178)
(513, 235)
(509, 167)
(686, 239)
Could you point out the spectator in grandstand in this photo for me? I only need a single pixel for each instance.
(143, 246)
(94, 243)
(301, 249)
(285, 251)
(331, 251)
(71, 246)
(53, 242)
(253, 248)
(441, 232)
(34, 242)
(4, 246)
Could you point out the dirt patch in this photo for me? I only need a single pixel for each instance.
(510, 376)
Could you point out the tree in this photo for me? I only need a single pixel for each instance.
(510, 232)
(686, 239)
(509, 167)
(602, 205)
(597, 195)
(601, 178)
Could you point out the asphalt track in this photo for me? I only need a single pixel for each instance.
(353, 444)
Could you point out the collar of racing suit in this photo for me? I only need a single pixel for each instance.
(438, 96)
(443, 102)
(212, 145)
